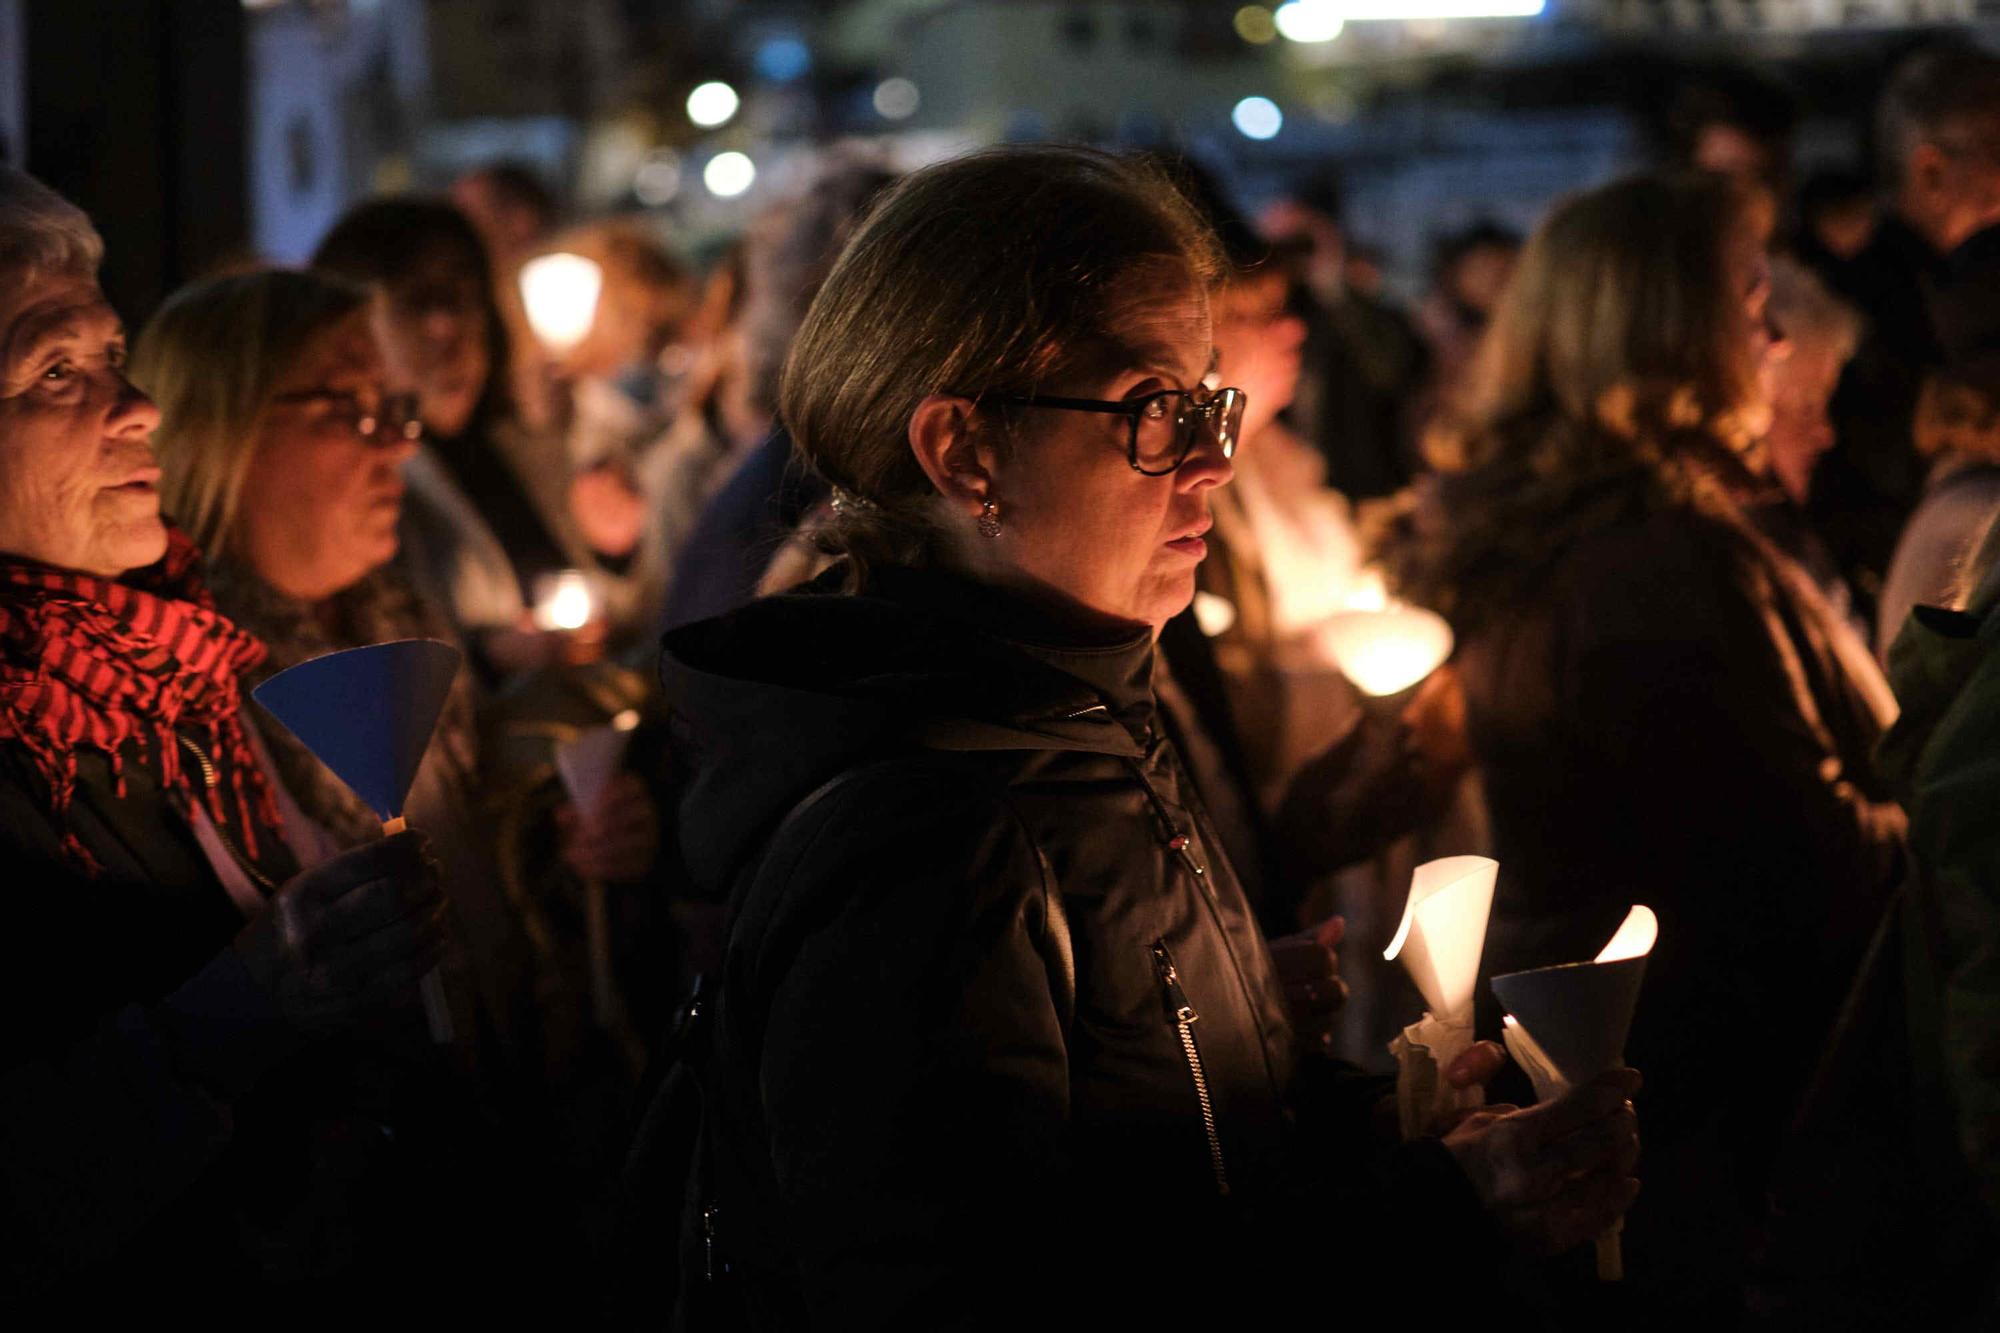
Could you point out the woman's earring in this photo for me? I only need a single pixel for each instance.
(989, 519)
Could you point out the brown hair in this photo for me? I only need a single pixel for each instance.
(1612, 379)
(1004, 271)
(1615, 331)
(211, 358)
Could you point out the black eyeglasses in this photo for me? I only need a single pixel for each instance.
(1164, 427)
(393, 421)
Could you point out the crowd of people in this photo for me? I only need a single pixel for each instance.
(959, 940)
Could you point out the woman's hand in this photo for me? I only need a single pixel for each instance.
(608, 510)
(1435, 739)
(1558, 1174)
(618, 838)
(1308, 966)
(351, 936)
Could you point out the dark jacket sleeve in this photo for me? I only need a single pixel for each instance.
(102, 1129)
(913, 1070)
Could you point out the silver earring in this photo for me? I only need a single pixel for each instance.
(989, 519)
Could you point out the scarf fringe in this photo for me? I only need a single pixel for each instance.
(119, 667)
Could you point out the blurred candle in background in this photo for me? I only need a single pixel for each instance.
(560, 294)
(563, 601)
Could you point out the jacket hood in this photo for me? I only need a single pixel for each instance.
(772, 700)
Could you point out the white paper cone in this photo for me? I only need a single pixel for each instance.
(587, 762)
(1443, 931)
(1386, 652)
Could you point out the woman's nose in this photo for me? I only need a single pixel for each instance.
(132, 412)
(1206, 466)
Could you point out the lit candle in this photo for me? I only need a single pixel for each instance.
(563, 600)
(560, 294)
(1386, 652)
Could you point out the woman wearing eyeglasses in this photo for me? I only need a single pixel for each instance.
(996, 1028)
(281, 453)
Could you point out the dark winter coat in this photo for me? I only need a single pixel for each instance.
(1664, 712)
(133, 1038)
(995, 1020)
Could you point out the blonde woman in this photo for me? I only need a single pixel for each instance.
(1657, 700)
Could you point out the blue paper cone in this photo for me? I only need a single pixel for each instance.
(367, 713)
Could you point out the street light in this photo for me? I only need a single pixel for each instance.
(712, 104)
(729, 174)
(1311, 20)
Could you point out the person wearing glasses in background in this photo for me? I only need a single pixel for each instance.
(282, 453)
(996, 1032)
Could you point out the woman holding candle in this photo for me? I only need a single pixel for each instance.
(1663, 708)
(170, 977)
(488, 525)
(996, 1025)
(283, 447)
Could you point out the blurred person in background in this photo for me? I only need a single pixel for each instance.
(281, 442)
(618, 403)
(977, 906)
(181, 997)
(1737, 122)
(488, 515)
(1836, 221)
(1469, 271)
(1818, 333)
(1363, 361)
(764, 499)
(1958, 431)
(1660, 704)
(513, 211)
(1938, 137)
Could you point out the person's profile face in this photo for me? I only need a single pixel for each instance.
(1257, 346)
(79, 486)
(320, 499)
(1076, 518)
(430, 322)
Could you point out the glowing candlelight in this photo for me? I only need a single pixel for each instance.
(1386, 652)
(563, 601)
(560, 294)
(1214, 613)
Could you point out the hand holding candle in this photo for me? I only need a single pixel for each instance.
(368, 714)
(1440, 940)
(1566, 1025)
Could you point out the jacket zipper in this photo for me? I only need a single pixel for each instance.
(208, 780)
(1184, 1018)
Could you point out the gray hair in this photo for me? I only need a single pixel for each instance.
(1930, 94)
(1810, 316)
(42, 232)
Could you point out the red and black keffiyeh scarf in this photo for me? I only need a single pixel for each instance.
(123, 665)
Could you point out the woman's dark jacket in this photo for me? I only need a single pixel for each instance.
(1663, 714)
(949, 1073)
(133, 1039)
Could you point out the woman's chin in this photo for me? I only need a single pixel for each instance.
(131, 545)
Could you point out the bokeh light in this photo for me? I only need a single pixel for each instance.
(729, 174)
(1310, 20)
(712, 104)
(1255, 25)
(896, 99)
(1258, 118)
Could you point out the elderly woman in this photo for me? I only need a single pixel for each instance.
(169, 972)
(1664, 708)
(996, 1025)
